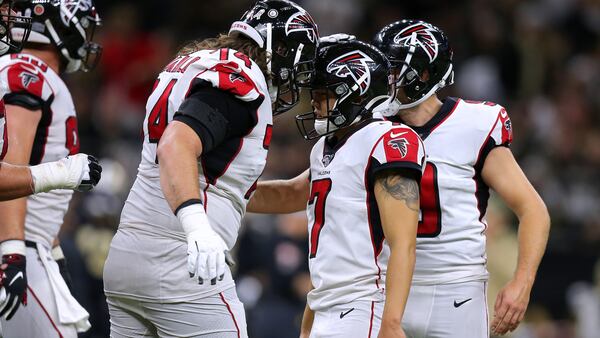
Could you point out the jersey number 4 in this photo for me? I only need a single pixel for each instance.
(318, 195)
(430, 224)
(157, 120)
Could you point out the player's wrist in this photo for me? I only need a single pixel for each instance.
(192, 217)
(51, 175)
(12, 246)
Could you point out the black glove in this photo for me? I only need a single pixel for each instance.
(14, 282)
(93, 175)
(64, 272)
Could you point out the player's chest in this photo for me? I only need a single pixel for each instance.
(344, 169)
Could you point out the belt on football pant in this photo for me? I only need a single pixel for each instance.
(30, 244)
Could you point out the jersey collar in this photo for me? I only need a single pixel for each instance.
(448, 106)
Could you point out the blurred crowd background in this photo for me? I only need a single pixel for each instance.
(538, 58)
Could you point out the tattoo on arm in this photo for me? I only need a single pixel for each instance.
(402, 189)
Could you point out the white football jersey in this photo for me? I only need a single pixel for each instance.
(451, 234)
(227, 174)
(347, 251)
(56, 136)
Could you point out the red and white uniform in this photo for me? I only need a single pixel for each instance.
(56, 136)
(348, 255)
(227, 175)
(30, 83)
(451, 243)
(451, 259)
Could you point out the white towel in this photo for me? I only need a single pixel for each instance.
(69, 310)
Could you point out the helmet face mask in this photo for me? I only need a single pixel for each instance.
(421, 58)
(349, 79)
(290, 36)
(10, 20)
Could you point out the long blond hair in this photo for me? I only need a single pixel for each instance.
(234, 41)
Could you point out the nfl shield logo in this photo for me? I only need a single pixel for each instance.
(327, 159)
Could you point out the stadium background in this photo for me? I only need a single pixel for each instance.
(538, 58)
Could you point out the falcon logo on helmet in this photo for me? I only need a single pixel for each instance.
(400, 144)
(353, 64)
(420, 35)
(302, 22)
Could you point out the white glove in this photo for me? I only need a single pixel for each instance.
(206, 249)
(80, 172)
(335, 38)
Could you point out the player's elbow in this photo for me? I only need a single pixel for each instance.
(166, 147)
(178, 141)
(544, 215)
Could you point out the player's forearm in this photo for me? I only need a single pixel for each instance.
(275, 197)
(398, 280)
(13, 219)
(280, 196)
(534, 226)
(307, 321)
(178, 165)
(15, 181)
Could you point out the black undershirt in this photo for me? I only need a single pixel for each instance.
(216, 116)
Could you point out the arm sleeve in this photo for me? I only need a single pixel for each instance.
(501, 135)
(216, 115)
(400, 149)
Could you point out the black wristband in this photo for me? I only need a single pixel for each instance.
(187, 204)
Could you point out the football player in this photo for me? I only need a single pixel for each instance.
(19, 181)
(363, 198)
(207, 131)
(42, 127)
(468, 152)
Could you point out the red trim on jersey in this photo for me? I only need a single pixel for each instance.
(241, 144)
(366, 181)
(268, 135)
(26, 78)
(237, 152)
(371, 321)
(233, 80)
(401, 144)
(223, 54)
(72, 139)
(507, 132)
(44, 309)
(231, 313)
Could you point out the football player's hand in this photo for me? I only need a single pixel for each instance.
(206, 249)
(79, 172)
(13, 281)
(335, 38)
(510, 307)
(89, 171)
(391, 330)
(206, 255)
